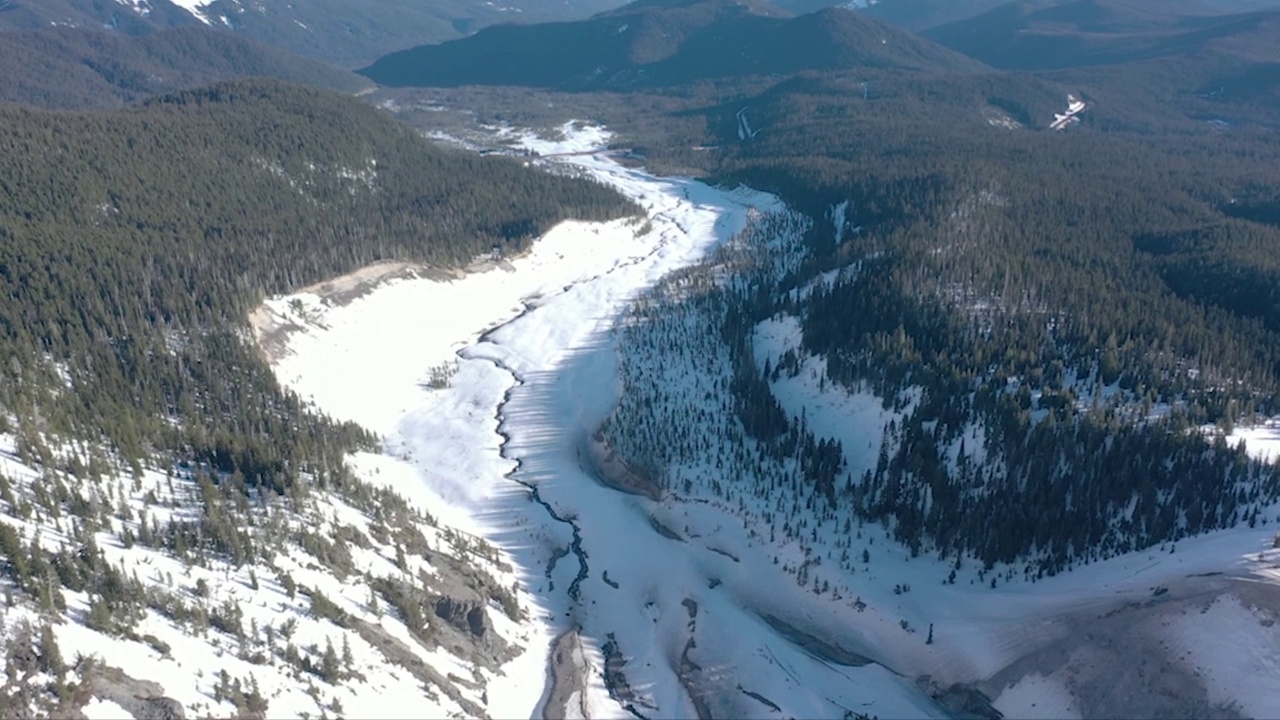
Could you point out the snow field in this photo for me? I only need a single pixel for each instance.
(1261, 441)
(993, 626)
(1036, 697)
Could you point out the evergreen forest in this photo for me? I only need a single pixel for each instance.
(1092, 300)
(134, 243)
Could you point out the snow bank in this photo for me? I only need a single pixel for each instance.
(1036, 697)
(1234, 647)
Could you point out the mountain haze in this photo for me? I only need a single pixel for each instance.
(63, 67)
(337, 31)
(651, 44)
(1038, 34)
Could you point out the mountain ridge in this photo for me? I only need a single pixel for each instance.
(650, 45)
(62, 67)
(1045, 35)
(335, 31)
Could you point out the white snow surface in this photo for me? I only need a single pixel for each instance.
(1233, 647)
(187, 671)
(196, 8)
(537, 372)
(1075, 106)
(142, 7)
(103, 710)
(1261, 441)
(1036, 697)
(840, 219)
(857, 420)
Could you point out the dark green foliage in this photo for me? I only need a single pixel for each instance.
(50, 655)
(136, 242)
(1012, 276)
(408, 602)
(324, 608)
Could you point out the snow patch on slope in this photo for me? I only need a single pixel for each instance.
(679, 589)
(1261, 441)
(266, 605)
(858, 420)
(1235, 648)
(142, 7)
(1036, 697)
(196, 8)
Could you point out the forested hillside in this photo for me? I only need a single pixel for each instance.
(1037, 35)
(355, 33)
(135, 242)
(69, 68)
(1080, 301)
(1074, 308)
(664, 45)
(342, 32)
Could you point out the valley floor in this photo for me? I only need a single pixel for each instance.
(488, 389)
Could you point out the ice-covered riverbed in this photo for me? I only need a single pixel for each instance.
(534, 375)
(661, 609)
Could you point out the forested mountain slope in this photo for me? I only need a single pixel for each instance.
(136, 241)
(665, 44)
(344, 32)
(143, 436)
(1036, 34)
(126, 17)
(1074, 308)
(1084, 299)
(63, 67)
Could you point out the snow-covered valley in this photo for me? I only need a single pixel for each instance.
(681, 602)
(569, 518)
(663, 594)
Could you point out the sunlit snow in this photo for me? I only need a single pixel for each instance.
(536, 372)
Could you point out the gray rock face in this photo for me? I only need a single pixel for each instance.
(157, 708)
(465, 615)
(143, 699)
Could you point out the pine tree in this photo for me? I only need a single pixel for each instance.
(50, 655)
(348, 660)
(330, 669)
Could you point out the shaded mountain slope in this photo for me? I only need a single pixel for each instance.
(342, 32)
(1036, 34)
(121, 16)
(71, 68)
(648, 44)
(916, 15)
